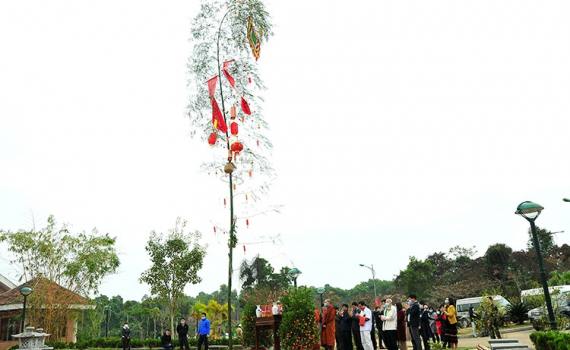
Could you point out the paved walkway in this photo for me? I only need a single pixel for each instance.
(471, 343)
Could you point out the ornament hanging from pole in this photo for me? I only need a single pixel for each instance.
(236, 147)
(212, 139)
(247, 223)
(234, 128)
(233, 112)
(254, 41)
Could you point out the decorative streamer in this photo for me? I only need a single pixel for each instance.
(217, 117)
(244, 104)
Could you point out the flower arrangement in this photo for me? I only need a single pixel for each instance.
(299, 328)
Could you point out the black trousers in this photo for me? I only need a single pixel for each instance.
(345, 340)
(380, 336)
(126, 343)
(357, 341)
(373, 338)
(183, 343)
(391, 339)
(494, 330)
(203, 339)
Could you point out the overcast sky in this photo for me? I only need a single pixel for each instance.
(399, 128)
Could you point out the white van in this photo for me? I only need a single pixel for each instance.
(525, 294)
(463, 305)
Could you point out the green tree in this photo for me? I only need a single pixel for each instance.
(52, 256)
(498, 261)
(416, 278)
(559, 279)
(259, 273)
(545, 240)
(176, 259)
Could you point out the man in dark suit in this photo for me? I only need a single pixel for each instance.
(413, 311)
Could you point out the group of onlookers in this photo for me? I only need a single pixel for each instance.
(395, 323)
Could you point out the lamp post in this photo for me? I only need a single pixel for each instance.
(321, 291)
(371, 268)
(531, 211)
(108, 311)
(294, 273)
(25, 291)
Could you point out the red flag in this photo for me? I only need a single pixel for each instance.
(227, 73)
(244, 104)
(217, 116)
(212, 85)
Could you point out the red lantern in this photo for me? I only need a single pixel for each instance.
(236, 147)
(234, 128)
(212, 138)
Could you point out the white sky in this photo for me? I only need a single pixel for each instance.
(399, 128)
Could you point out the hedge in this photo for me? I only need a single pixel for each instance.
(551, 340)
(117, 343)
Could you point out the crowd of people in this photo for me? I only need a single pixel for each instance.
(349, 327)
(395, 325)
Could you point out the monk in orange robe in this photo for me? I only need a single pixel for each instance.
(328, 327)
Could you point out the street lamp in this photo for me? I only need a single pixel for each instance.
(321, 291)
(294, 273)
(108, 311)
(531, 211)
(371, 267)
(25, 291)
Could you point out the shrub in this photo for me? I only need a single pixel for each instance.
(517, 312)
(551, 340)
(298, 328)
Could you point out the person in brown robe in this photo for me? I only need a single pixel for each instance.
(328, 327)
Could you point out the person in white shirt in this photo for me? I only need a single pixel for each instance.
(390, 319)
(367, 327)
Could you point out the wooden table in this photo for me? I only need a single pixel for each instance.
(272, 323)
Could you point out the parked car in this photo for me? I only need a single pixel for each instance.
(535, 314)
(463, 305)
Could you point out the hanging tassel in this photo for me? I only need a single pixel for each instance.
(235, 187)
(233, 112)
(249, 78)
(250, 173)
(224, 202)
(214, 229)
(235, 157)
(247, 223)
(257, 143)
(242, 119)
(246, 197)
(244, 249)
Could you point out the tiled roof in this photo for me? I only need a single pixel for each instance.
(41, 285)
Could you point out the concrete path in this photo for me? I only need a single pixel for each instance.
(471, 343)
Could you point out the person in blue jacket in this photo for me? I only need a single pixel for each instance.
(203, 332)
